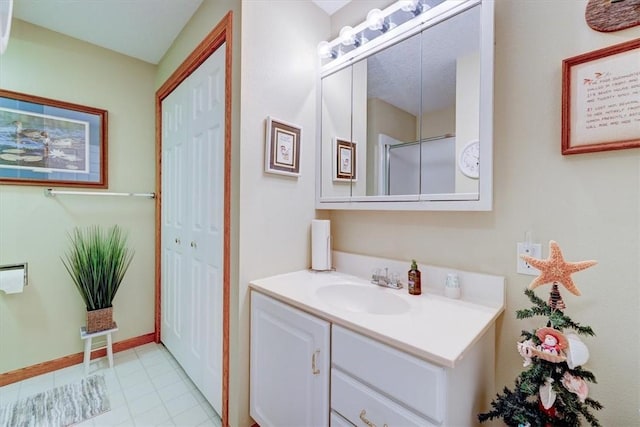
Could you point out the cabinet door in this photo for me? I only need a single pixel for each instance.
(289, 365)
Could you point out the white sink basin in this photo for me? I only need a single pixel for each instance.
(362, 299)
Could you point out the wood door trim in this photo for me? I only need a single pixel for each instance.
(222, 33)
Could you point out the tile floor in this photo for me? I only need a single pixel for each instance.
(146, 387)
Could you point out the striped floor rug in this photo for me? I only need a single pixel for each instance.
(62, 406)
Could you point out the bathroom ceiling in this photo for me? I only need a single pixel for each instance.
(143, 29)
(331, 6)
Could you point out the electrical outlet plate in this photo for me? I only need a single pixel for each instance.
(533, 250)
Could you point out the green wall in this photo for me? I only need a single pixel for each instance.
(43, 322)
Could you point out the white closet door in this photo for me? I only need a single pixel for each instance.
(206, 133)
(175, 217)
(195, 304)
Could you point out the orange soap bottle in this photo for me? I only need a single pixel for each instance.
(414, 279)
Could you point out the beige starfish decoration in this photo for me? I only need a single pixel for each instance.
(556, 269)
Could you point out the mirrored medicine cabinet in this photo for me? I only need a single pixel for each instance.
(406, 118)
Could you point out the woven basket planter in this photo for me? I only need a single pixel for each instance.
(99, 320)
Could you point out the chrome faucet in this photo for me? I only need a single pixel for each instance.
(389, 281)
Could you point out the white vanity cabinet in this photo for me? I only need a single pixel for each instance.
(371, 383)
(289, 365)
(325, 353)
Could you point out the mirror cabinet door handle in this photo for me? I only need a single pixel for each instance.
(314, 368)
(177, 240)
(194, 245)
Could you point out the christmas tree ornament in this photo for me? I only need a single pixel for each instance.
(555, 299)
(577, 352)
(575, 385)
(552, 345)
(549, 412)
(525, 348)
(547, 394)
(556, 269)
(553, 341)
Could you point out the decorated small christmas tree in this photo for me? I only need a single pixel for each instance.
(553, 390)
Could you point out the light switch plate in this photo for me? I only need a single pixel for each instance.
(533, 250)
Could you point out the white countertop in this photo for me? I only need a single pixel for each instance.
(435, 328)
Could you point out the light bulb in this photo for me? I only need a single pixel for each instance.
(324, 50)
(375, 19)
(414, 6)
(347, 36)
(409, 5)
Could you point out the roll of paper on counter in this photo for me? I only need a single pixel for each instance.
(320, 244)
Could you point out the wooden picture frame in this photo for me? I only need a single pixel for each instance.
(601, 99)
(345, 160)
(46, 142)
(282, 151)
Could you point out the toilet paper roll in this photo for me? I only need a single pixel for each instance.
(12, 280)
(320, 244)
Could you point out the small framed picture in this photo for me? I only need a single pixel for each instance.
(345, 160)
(282, 151)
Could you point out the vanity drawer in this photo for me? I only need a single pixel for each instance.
(407, 379)
(364, 407)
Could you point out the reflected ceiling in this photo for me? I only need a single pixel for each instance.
(394, 73)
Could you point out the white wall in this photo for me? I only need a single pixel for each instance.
(42, 323)
(279, 72)
(589, 203)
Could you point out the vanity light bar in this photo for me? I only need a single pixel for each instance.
(400, 20)
(377, 20)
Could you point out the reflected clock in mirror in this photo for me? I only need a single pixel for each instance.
(469, 161)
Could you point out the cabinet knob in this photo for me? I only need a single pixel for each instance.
(314, 368)
(194, 245)
(177, 240)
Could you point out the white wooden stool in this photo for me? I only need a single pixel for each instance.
(88, 347)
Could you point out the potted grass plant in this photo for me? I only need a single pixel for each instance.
(97, 261)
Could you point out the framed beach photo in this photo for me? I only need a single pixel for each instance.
(344, 160)
(282, 150)
(47, 142)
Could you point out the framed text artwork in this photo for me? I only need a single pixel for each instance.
(601, 99)
(45, 142)
(282, 151)
(345, 160)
